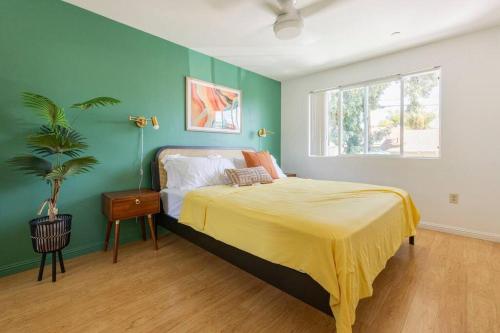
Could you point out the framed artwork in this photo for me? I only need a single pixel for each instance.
(212, 108)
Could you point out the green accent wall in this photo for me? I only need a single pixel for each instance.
(69, 55)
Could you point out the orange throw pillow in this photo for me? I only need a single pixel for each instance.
(261, 158)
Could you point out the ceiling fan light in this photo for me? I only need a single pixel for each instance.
(288, 29)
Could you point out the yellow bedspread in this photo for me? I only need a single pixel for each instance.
(341, 234)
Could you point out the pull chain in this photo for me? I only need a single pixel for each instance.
(141, 170)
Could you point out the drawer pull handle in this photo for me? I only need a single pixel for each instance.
(137, 201)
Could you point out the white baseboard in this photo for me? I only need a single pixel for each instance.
(489, 236)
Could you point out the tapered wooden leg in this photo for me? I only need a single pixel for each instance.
(143, 228)
(117, 241)
(61, 262)
(412, 240)
(42, 265)
(152, 231)
(54, 263)
(108, 233)
(156, 227)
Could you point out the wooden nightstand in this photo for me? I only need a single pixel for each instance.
(124, 205)
(290, 174)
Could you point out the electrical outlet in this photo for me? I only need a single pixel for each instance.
(453, 198)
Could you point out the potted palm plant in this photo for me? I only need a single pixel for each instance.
(56, 150)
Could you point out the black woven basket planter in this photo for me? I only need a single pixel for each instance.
(50, 237)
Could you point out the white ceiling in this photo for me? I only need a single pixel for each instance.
(240, 31)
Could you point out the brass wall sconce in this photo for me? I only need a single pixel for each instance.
(262, 133)
(142, 121)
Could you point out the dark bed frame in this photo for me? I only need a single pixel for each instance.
(295, 283)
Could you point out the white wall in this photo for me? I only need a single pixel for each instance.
(470, 143)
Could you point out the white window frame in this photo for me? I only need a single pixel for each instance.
(366, 84)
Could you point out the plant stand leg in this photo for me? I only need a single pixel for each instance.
(42, 265)
(54, 271)
(61, 262)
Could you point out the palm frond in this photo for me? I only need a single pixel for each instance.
(46, 109)
(31, 165)
(60, 141)
(96, 102)
(71, 167)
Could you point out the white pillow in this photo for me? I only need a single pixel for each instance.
(280, 172)
(239, 162)
(187, 173)
(173, 181)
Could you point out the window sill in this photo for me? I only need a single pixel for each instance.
(378, 156)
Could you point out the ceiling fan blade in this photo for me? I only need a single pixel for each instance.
(316, 7)
(221, 4)
(272, 7)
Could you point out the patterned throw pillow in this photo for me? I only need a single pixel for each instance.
(249, 176)
(261, 158)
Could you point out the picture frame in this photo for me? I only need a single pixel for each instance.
(212, 108)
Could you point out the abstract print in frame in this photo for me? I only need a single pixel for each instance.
(212, 108)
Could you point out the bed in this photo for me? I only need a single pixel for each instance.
(291, 243)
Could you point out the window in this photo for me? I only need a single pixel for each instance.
(398, 116)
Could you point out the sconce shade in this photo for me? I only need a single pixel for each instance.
(154, 122)
(262, 133)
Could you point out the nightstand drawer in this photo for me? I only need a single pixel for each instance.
(129, 206)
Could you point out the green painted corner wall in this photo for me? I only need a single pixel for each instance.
(69, 54)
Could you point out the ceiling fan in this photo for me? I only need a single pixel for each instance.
(290, 19)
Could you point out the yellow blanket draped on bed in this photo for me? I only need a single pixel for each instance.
(341, 234)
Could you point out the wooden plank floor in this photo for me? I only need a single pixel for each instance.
(445, 283)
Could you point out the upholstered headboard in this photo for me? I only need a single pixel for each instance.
(158, 173)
